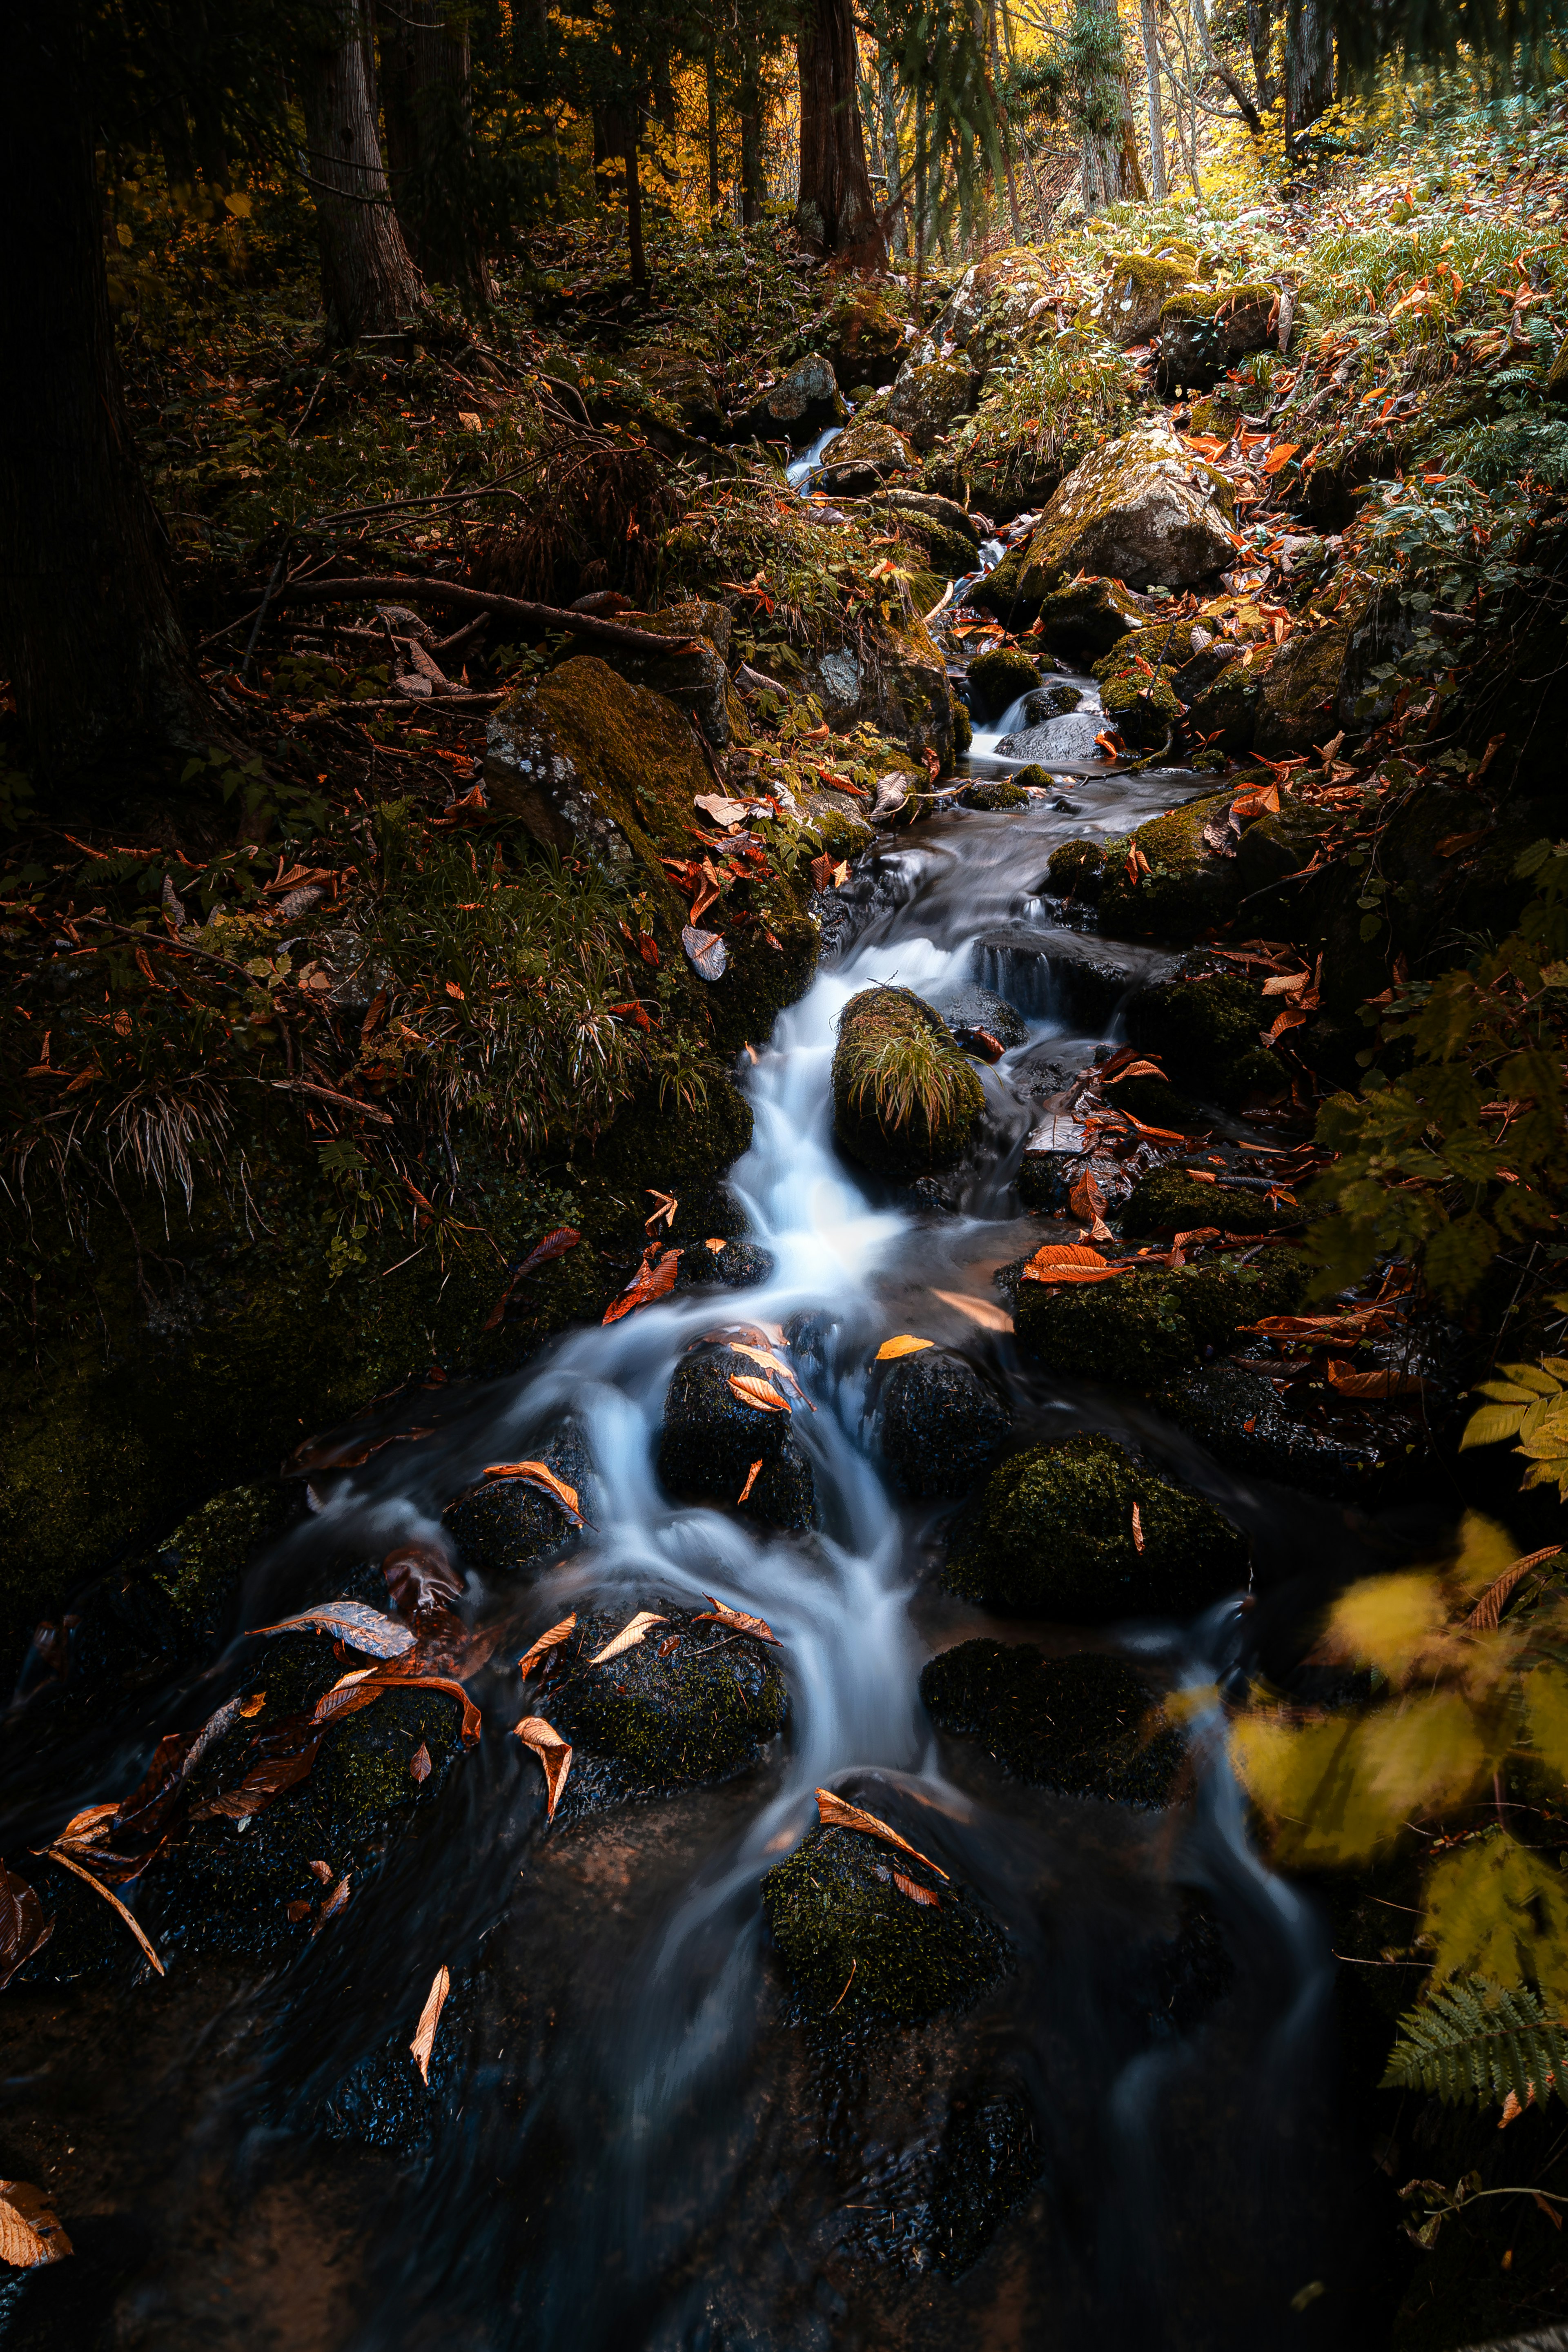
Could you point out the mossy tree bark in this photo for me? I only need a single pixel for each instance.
(1111, 171)
(427, 104)
(368, 282)
(835, 211)
(88, 632)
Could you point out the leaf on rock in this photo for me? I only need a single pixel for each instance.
(1368, 1387)
(1137, 1529)
(554, 1755)
(545, 1644)
(321, 1870)
(296, 1911)
(722, 811)
(652, 1280)
(554, 1244)
(705, 952)
(25, 1925)
(983, 1311)
(424, 2040)
(738, 1622)
(834, 1814)
(419, 1763)
(1068, 1262)
(336, 1901)
(355, 1691)
(915, 1891)
(30, 2233)
(752, 1477)
(664, 1207)
(759, 1393)
(99, 1887)
(253, 1705)
(635, 1629)
(906, 1344)
(540, 1475)
(353, 1622)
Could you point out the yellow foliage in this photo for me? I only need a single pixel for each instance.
(1485, 1550)
(1423, 1755)
(1496, 1909)
(1546, 1712)
(1387, 1621)
(1337, 1788)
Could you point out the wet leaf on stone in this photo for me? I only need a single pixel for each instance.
(336, 1901)
(1137, 1529)
(99, 1887)
(253, 1705)
(353, 1622)
(653, 1280)
(554, 1755)
(664, 1207)
(419, 1763)
(773, 1363)
(759, 1393)
(554, 1244)
(1372, 1387)
(834, 1813)
(1068, 1262)
(983, 1311)
(705, 952)
(635, 1629)
(545, 1644)
(363, 1689)
(752, 1477)
(915, 1891)
(30, 2233)
(25, 1925)
(540, 1475)
(424, 2040)
(906, 1344)
(321, 1870)
(296, 1911)
(722, 811)
(737, 1620)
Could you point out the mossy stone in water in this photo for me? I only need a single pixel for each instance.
(670, 1711)
(994, 797)
(504, 1526)
(1186, 888)
(905, 1099)
(855, 1946)
(941, 1427)
(1141, 700)
(1053, 1536)
(1080, 1724)
(1207, 1033)
(1077, 869)
(711, 1436)
(1146, 1327)
(1157, 1104)
(1237, 1417)
(997, 678)
(1174, 1201)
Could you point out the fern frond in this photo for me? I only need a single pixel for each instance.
(1480, 2041)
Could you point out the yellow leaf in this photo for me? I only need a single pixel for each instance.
(1423, 1755)
(1546, 1711)
(1496, 1909)
(124, 235)
(1387, 1622)
(904, 1345)
(237, 203)
(1490, 1423)
(1485, 1550)
(1305, 1778)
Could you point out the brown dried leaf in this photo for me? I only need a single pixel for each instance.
(634, 1632)
(29, 2231)
(834, 1814)
(738, 1622)
(419, 1763)
(983, 1311)
(297, 1910)
(1137, 1529)
(650, 1281)
(906, 1344)
(363, 1628)
(759, 1393)
(540, 1475)
(336, 1901)
(253, 1705)
(25, 1925)
(1372, 1387)
(1068, 1262)
(915, 1891)
(665, 1206)
(545, 1644)
(424, 2040)
(99, 1887)
(1483, 1618)
(554, 1755)
(321, 1870)
(361, 1689)
(752, 1477)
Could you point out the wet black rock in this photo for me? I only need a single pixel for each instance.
(1060, 975)
(939, 1425)
(503, 1526)
(1206, 1030)
(1236, 1416)
(1078, 1530)
(1177, 1201)
(690, 1703)
(712, 1435)
(1051, 701)
(1144, 1328)
(1076, 868)
(855, 1946)
(1176, 1980)
(969, 1009)
(736, 1266)
(1085, 1724)
(939, 2201)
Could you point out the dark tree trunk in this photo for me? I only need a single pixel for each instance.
(368, 282)
(622, 124)
(1111, 171)
(430, 144)
(1260, 38)
(835, 214)
(712, 137)
(751, 141)
(88, 628)
(1308, 68)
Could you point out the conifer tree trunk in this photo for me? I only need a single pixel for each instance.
(1308, 68)
(425, 90)
(89, 633)
(712, 79)
(368, 282)
(892, 167)
(835, 213)
(750, 138)
(1156, 113)
(1111, 171)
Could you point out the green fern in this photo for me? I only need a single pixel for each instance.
(1480, 2041)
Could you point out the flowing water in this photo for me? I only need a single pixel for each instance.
(627, 2143)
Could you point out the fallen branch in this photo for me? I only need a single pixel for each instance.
(386, 586)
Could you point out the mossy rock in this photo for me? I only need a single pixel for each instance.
(1142, 703)
(946, 551)
(1084, 1724)
(1225, 712)
(711, 1437)
(689, 1704)
(905, 1099)
(1144, 1328)
(926, 400)
(861, 334)
(1053, 1536)
(1203, 1029)
(1237, 1418)
(1142, 509)
(1076, 868)
(867, 452)
(1128, 306)
(1301, 692)
(962, 726)
(858, 1948)
(940, 1427)
(1156, 1102)
(1001, 590)
(997, 678)
(1204, 331)
(681, 1151)
(1086, 618)
(1173, 1201)
(503, 1526)
(1187, 890)
(994, 797)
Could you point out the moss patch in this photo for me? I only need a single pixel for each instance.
(905, 1099)
(1084, 1724)
(689, 1704)
(1146, 1327)
(1173, 1201)
(995, 679)
(856, 1947)
(1076, 869)
(1186, 889)
(1053, 1536)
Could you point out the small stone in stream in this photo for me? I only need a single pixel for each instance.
(1085, 1725)
(1052, 701)
(1053, 1536)
(905, 1098)
(1048, 1177)
(705, 952)
(738, 1266)
(1148, 1325)
(504, 1526)
(711, 1436)
(970, 1006)
(1058, 974)
(1204, 1030)
(690, 1703)
(996, 680)
(1237, 1417)
(1174, 1201)
(994, 797)
(940, 1426)
(855, 1946)
(807, 400)
(1076, 869)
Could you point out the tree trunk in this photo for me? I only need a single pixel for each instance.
(713, 76)
(892, 166)
(836, 213)
(622, 124)
(1156, 114)
(430, 144)
(1308, 68)
(1111, 171)
(751, 140)
(1003, 128)
(88, 628)
(1259, 40)
(368, 282)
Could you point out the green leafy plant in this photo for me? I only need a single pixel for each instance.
(1529, 1401)
(1474, 2040)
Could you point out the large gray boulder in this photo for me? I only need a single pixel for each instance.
(1142, 510)
(807, 400)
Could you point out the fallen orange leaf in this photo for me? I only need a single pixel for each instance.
(650, 1281)
(834, 1814)
(545, 1644)
(554, 1755)
(752, 1477)
(540, 1475)
(759, 1393)
(906, 1344)
(423, 2039)
(915, 1891)
(634, 1630)
(29, 2231)
(737, 1620)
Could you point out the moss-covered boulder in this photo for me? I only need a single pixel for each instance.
(861, 334)
(1001, 307)
(857, 1947)
(1223, 711)
(1129, 304)
(941, 548)
(1205, 1028)
(1053, 1536)
(1083, 619)
(1142, 1327)
(806, 400)
(504, 1526)
(690, 1703)
(994, 797)
(1237, 1418)
(869, 451)
(1076, 869)
(997, 678)
(1173, 1199)
(1085, 1724)
(1301, 692)
(1142, 509)
(925, 401)
(713, 1435)
(696, 679)
(1204, 330)
(905, 1099)
(1183, 889)
(939, 1426)
(1138, 699)
(1156, 1102)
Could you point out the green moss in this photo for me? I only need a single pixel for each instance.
(946, 551)
(1301, 691)
(1144, 1328)
(995, 796)
(1171, 1201)
(1187, 890)
(699, 1713)
(1086, 618)
(1085, 1725)
(1076, 869)
(1203, 1029)
(1128, 306)
(1143, 704)
(1156, 1102)
(997, 678)
(856, 1947)
(201, 1568)
(1053, 1536)
(905, 1098)
(926, 401)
